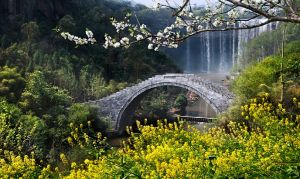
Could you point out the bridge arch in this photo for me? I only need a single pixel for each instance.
(127, 108)
(121, 104)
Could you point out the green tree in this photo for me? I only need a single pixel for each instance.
(154, 105)
(30, 30)
(181, 103)
(21, 133)
(12, 84)
(67, 23)
(15, 55)
(42, 98)
(98, 86)
(248, 83)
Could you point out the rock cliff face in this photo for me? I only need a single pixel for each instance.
(50, 9)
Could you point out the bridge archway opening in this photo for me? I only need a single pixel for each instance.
(134, 109)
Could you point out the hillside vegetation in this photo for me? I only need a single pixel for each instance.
(45, 132)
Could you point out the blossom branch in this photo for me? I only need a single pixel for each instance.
(224, 16)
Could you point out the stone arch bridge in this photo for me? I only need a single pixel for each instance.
(122, 104)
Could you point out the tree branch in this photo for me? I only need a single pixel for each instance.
(249, 7)
(181, 8)
(224, 29)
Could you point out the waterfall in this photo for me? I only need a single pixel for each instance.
(215, 52)
(239, 47)
(233, 48)
(188, 56)
(246, 35)
(202, 52)
(223, 55)
(208, 52)
(220, 52)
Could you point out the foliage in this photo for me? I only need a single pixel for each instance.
(15, 56)
(13, 166)
(30, 30)
(155, 20)
(263, 143)
(266, 44)
(154, 105)
(190, 21)
(247, 84)
(20, 133)
(45, 135)
(265, 75)
(270, 148)
(41, 98)
(158, 102)
(78, 70)
(292, 47)
(40, 124)
(94, 85)
(11, 84)
(67, 22)
(181, 103)
(42, 75)
(269, 43)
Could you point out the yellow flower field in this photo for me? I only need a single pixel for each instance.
(266, 144)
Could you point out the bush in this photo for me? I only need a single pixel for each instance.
(265, 144)
(265, 77)
(247, 85)
(181, 103)
(22, 134)
(13, 166)
(12, 84)
(269, 149)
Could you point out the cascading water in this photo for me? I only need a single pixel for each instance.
(188, 56)
(246, 35)
(215, 52)
(233, 47)
(208, 51)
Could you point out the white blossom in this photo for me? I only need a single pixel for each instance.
(186, 23)
(117, 44)
(232, 14)
(189, 29)
(174, 45)
(70, 37)
(218, 22)
(92, 40)
(143, 26)
(105, 45)
(89, 33)
(139, 37)
(124, 41)
(159, 34)
(150, 46)
(64, 35)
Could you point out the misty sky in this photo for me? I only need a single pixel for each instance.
(151, 2)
